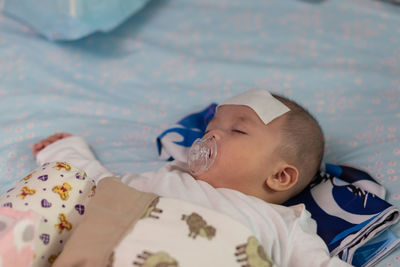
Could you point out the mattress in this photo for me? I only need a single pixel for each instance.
(340, 59)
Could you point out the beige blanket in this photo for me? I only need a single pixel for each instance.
(107, 220)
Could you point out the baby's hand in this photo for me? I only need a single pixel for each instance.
(49, 140)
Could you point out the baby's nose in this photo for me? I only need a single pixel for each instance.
(216, 133)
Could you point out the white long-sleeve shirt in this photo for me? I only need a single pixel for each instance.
(288, 234)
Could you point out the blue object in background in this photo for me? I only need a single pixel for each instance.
(72, 19)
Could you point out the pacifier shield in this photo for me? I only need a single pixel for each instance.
(202, 155)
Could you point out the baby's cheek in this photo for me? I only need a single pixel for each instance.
(227, 160)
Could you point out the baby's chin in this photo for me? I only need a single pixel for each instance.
(197, 176)
(201, 177)
(205, 177)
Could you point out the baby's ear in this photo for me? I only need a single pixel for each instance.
(284, 179)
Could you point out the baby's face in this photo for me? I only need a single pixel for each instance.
(246, 148)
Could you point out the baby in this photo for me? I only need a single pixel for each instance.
(272, 161)
(260, 150)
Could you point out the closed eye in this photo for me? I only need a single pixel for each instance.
(238, 131)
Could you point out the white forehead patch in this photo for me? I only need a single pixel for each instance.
(261, 101)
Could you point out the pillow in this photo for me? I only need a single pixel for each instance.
(72, 19)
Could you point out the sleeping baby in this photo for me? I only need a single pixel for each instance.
(220, 208)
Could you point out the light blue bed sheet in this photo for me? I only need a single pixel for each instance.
(339, 58)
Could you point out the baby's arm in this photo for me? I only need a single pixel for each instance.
(48, 141)
(71, 149)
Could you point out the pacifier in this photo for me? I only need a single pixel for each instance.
(202, 155)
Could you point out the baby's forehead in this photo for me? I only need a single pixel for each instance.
(238, 113)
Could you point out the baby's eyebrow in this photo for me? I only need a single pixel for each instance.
(245, 119)
(238, 119)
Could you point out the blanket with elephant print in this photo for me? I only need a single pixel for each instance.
(171, 227)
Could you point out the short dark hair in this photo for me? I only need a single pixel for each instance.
(303, 142)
